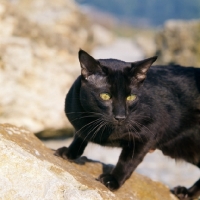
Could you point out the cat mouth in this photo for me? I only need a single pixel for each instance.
(119, 125)
(119, 122)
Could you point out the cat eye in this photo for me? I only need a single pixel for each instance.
(131, 97)
(105, 96)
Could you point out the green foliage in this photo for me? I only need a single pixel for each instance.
(154, 11)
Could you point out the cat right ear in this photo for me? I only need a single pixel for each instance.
(89, 65)
(139, 69)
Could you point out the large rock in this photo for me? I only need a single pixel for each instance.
(39, 42)
(29, 170)
(58, 23)
(179, 42)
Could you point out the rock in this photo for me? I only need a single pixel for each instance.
(33, 84)
(179, 42)
(146, 44)
(39, 43)
(59, 21)
(102, 36)
(29, 170)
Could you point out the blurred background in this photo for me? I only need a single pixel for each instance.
(39, 42)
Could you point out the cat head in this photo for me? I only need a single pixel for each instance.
(110, 87)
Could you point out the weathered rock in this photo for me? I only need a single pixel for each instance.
(29, 170)
(39, 42)
(62, 24)
(102, 36)
(179, 42)
(146, 44)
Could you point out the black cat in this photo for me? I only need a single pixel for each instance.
(137, 108)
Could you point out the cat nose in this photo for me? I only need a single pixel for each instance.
(120, 118)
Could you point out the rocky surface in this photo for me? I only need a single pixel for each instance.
(155, 165)
(29, 170)
(39, 43)
(179, 42)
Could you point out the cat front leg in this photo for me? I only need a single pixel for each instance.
(127, 163)
(74, 151)
(187, 194)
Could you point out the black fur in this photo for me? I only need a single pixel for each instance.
(165, 114)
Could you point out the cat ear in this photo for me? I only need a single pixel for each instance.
(89, 65)
(139, 69)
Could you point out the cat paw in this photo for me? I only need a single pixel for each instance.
(109, 181)
(62, 152)
(65, 153)
(182, 193)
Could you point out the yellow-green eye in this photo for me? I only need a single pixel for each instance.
(105, 96)
(131, 97)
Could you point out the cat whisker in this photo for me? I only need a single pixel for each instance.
(107, 125)
(146, 129)
(95, 124)
(90, 123)
(104, 128)
(89, 116)
(136, 132)
(133, 142)
(95, 113)
(101, 124)
(110, 129)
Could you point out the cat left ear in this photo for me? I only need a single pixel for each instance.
(139, 69)
(88, 64)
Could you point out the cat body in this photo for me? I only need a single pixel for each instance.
(139, 108)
